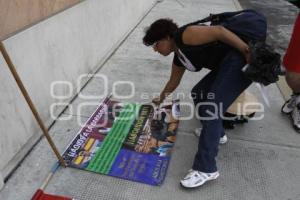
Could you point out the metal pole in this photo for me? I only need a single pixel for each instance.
(30, 103)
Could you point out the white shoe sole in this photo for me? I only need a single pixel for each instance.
(223, 140)
(201, 183)
(286, 110)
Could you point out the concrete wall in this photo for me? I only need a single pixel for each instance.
(16, 15)
(71, 43)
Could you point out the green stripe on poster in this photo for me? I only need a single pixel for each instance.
(113, 142)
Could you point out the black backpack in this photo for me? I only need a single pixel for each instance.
(241, 23)
(251, 27)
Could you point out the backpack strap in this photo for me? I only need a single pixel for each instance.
(206, 19)
(217, 18)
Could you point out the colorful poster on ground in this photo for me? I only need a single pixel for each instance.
(126, 140)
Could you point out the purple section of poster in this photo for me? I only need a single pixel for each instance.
(97, 127)
(146, 168)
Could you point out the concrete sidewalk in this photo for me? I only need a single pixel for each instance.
(260, 162)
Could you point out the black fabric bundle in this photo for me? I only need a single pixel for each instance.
(264, 66)
(295, 2)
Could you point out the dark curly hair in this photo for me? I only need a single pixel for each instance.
(158, 30)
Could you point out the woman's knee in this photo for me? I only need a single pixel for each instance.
(293, 80)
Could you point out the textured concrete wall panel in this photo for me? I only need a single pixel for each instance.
(15, 15)
(61, 48)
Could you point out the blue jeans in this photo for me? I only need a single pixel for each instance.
(219, 88)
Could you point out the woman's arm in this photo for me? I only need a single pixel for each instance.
(195, 35)
(175, 78)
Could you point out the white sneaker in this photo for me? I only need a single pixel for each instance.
(295, 115)
(197, 132)
(196, 178)
(289, 105)
(223, 140)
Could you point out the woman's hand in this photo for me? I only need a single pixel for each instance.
(246, 53)
(175, 78)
